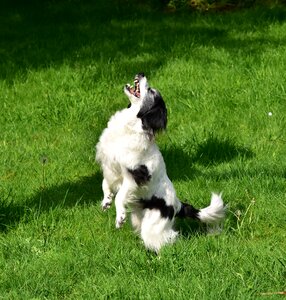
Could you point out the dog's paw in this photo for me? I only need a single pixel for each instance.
(106, 203)
(120, 220)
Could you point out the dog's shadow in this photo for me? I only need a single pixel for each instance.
(214, 151)
(188, 228)
(181, 161)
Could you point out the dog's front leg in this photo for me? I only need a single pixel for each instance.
(107, 195)
(121, 203)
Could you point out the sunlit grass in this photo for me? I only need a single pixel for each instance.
(223, 79)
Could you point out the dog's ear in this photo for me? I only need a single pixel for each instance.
(153, 112)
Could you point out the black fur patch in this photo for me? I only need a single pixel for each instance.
(188, 211)
(153, 112)
(160, 204)
(141, 175)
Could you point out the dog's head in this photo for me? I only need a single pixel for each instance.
(152, 108)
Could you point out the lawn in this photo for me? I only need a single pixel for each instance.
(63, 66)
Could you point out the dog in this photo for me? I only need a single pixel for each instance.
(134, 172)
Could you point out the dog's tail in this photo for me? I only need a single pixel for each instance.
(211, 215)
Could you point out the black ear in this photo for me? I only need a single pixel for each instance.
(153, 112)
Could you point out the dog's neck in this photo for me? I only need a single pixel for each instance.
(136, 125)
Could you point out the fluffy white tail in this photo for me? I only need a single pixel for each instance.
(214, 213)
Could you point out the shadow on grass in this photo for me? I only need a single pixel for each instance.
(179, 164)
(86, 191)
(38, 34)
(212, 151)
(188, 228)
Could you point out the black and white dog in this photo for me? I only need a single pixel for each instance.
(135, 174)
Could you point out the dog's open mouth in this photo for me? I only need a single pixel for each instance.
(134, 90)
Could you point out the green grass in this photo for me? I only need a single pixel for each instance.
(63, 65)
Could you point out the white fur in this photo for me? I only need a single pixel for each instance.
(125, 145)
(214, 212)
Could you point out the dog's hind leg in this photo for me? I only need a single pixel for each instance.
(157, 231)
(136, 218)
(107, 195)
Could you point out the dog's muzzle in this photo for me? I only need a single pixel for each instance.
(135, 90)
